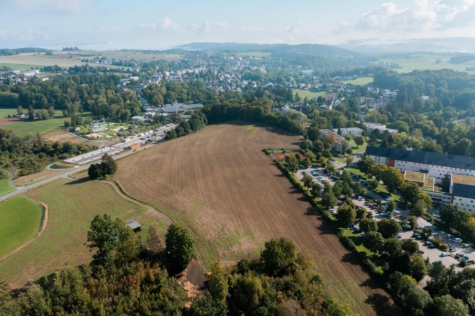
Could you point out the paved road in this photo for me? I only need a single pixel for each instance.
(23, 189)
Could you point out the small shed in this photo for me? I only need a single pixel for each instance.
(134, 225)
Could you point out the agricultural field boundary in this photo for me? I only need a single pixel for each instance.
(120, 191)
(41, 229)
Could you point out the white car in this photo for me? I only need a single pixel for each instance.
(444, 254)
(458, 239)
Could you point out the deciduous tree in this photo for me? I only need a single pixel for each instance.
(179, 249)
(346, 215)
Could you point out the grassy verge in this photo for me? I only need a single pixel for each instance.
(62, 242)
(20, 220)
(5, 186)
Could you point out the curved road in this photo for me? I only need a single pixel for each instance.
(23, 189)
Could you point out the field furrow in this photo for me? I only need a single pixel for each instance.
(220, 185)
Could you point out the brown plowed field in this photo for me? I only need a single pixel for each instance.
(220, 184)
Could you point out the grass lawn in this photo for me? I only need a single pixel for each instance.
(25, 128)
(357, 149)
(358, 172)
(308, 94)
(341, 160)
(20, 220)
(360, 81)
(426, 62)
(13, 111)
(5, 186)
(72, 205)
(358, 241)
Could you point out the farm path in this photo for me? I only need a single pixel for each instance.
(220, 185)
(150, 210)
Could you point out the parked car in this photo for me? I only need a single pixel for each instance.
(465, 245)
(420, 251)
(399, 236)
(362, 235)
(458, 239)
(452, 249)
(465, 258)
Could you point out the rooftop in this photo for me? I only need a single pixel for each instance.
(414, 176)
(463, 190)
(423, 157)
(133, 224)
(463, 179)
(428, 184)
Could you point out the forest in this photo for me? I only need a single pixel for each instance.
(31, 154)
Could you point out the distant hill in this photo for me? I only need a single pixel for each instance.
(16, 51)
(439, 45)
(314, 49)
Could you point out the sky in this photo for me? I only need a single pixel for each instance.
(146, 24)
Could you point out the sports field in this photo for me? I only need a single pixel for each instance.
(308, 94)
(71, 207)
(20, 219)
(220, 185)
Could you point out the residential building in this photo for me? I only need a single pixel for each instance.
(427, 184)
(338, 145)
(380, 127)
(138, 119)
(436, 165)
(462, 188)
(353, 131)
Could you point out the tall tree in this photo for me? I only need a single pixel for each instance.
(179, 249)
(346, 215)
(217, 283)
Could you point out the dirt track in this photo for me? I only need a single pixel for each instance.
(221, 185)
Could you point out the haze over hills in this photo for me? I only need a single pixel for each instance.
(316, 49)
(441, 45)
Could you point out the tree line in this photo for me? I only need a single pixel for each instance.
(129, 277)
(31, 154)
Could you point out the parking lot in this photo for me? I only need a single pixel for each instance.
(433, 254)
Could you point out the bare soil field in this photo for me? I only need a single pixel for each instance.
(220, 185)
(63, 136)
(5, 121)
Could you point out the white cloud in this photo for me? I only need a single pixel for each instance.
(296, 28)
(209, 26)
(421, 16)
(168, 24)
(48, 6)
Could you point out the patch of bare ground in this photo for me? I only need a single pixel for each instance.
(221, 186)
(62, 136)
(5, 121)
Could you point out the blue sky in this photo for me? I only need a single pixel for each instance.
(107, 24)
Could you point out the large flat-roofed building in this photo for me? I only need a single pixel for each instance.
(462, 188)
(353, 131)
(372, 126)
(436, 165)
